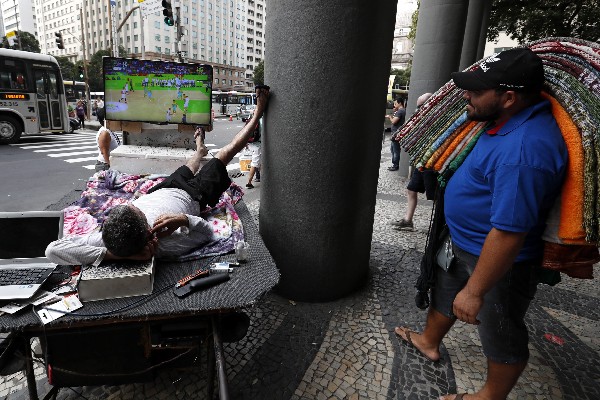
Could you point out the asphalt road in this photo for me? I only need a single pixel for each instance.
(41, 170)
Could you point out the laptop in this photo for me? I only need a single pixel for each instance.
(24, 237)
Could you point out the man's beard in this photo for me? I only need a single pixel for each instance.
(489, 113)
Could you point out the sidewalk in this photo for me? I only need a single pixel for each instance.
(346, 349)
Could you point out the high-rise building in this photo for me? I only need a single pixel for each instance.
(56, 16)
(403, 47)
(255, 36)
(17, 15)
(228, 34)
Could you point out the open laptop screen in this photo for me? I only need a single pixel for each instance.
(27, 234)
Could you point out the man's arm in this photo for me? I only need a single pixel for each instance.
(77, 251)
(497, 256)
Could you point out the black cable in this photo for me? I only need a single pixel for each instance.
(126, 307)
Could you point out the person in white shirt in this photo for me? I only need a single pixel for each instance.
(165, 222)
(107, 141)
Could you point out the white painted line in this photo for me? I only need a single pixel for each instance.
(72, 154)
(55, 144)
(82, 159)
(89, 166)
(233, 166)
(66, 148)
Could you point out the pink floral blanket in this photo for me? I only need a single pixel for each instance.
(107, 189)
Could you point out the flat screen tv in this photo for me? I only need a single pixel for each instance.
(157, 91)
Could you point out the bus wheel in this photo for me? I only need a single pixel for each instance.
(10, 130)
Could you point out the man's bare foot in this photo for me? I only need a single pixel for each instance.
(416, 340)
(199, 135)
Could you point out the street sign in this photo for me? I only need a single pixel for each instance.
(150, 6)
(11, 36)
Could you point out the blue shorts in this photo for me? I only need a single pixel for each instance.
(502, 330)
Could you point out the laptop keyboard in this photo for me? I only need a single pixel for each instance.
(23, 276)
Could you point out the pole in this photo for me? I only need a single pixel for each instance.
(142, 35)
(178, 35)
(110, 26)
(18, 36)
(85, 72)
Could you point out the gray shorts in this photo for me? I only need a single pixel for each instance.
(502, 330)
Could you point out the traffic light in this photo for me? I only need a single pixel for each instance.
(168, 12)
(59, 40)
(80, 70)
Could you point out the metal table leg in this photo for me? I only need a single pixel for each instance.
(220, 359)
(29, 373)
(210, 357)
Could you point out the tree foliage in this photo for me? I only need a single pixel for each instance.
(402, 76)
(67, 68)
(259, 73)
(94, 69)
(412, 35)
(529, 20)
(28, 42)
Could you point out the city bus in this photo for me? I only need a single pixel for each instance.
(74, 92)
(229, 103)
(32, 96)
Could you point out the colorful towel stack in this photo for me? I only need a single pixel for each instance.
(439, 136)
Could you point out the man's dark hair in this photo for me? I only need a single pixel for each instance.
(399, 101)
(124, 231)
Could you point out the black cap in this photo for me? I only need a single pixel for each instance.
(518, 69)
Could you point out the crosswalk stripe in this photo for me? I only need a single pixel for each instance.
(82, 159)
(77, 153)
(66, 148)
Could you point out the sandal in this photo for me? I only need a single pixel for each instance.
(410, 342)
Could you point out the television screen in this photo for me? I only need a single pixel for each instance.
(157, 91)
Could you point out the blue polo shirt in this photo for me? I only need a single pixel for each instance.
(509, 181)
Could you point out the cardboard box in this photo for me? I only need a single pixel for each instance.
(245, 163)
(111, 280)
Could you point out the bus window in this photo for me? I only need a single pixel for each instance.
(39, 86)
(11, 76)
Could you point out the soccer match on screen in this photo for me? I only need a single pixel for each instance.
(157, 91)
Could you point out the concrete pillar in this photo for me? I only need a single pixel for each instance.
(485, 17)
(475, 31)
(440, 32)
(328, 65)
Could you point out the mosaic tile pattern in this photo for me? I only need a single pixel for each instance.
(347, 349)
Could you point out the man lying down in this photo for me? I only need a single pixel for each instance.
(165, 222)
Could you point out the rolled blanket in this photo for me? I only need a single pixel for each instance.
(571, 211)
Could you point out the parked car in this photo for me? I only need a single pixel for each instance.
(246, 112)
(74, 124)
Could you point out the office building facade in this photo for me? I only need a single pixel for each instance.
(228, 34)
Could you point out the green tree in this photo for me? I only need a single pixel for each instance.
(259, 73)
(28, 42)
(95, 78)
(402, 76)
(412, 35)
(67, 68)
(529, 20)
